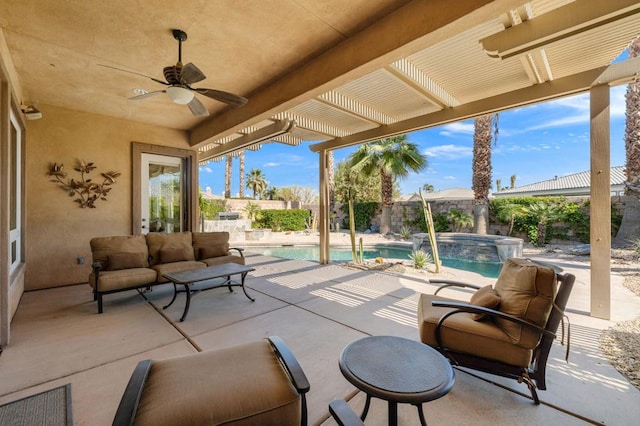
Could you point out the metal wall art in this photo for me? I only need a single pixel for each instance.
(85, 191)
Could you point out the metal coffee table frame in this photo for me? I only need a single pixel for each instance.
(396, 370)
(224, 271)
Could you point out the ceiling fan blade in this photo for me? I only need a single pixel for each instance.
(191, 74)
(146, 95)
(135, 73)
(197, 108)
(226, 97)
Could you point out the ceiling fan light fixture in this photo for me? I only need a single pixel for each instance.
(180, 95)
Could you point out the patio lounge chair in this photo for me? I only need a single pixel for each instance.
(254, 383)
(506, 330)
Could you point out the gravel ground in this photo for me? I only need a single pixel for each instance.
(621, 343)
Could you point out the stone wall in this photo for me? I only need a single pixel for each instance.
(238, 205)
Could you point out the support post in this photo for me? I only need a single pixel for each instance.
(600, 203)
(323, 225)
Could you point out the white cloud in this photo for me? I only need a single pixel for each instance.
(618, 103)
(287, 160)
(449, 152)
(450, 177)
(206, 169)
(575, 109)
(465, 128)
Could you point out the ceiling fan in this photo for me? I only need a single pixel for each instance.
(179, 79)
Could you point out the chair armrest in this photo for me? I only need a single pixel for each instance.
(126, 412)
(238, 249)
(96, 266)
(343, 414)
(298, 378)
(452, 283)
(475, 309)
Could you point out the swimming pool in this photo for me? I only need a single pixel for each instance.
(486, 269)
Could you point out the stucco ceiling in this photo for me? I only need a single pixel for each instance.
(332, 71)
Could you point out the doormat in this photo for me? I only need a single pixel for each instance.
(48, 408)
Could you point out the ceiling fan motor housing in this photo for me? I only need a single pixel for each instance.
(172, 73)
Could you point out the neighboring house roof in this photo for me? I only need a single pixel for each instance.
(445, 194)
(575, 184)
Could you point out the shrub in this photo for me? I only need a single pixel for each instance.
(362, 212)
(441, 221)
(283, 220)
(211, 208)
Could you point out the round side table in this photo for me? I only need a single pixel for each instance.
(397, 370)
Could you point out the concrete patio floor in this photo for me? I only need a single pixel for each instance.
(58, 338)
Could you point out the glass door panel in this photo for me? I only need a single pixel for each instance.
(162, 193)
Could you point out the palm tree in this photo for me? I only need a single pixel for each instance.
(630, 227)
(227, 177)
(241, 172)
(393, 157)
(271, 193)
(508, 213)
(545, 214)
(460, 220)
(427, 187)
(256, 182)
(486, 130)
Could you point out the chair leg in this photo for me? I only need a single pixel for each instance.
(531, 385)
(99, 303)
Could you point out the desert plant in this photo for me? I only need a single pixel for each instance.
(405, 233)
(420, 259)
(460, 220)
(253, 211)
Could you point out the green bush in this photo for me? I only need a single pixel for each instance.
(572, 223)
(283, 220)
(211, 208)
(363, 212)
(441, 221)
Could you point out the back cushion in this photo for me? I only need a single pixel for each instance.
(526, 291)
(210, 244)
(103, 247)
(171, 245)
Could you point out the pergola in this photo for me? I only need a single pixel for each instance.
(445, 64)
(332, 72)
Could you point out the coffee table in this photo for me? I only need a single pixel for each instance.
(219, 275)
(397, 370)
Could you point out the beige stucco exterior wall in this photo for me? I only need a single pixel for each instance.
(58, 229)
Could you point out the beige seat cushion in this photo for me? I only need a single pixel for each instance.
(251, 388)
(123, 278)
(223, 259)
(166, 268)
(174, 246)
(461, 333)
(527, 291)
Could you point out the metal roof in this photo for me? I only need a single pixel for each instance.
(575, 184)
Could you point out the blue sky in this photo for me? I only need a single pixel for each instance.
(535, 143)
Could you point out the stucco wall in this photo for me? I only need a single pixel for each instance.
(58, 230)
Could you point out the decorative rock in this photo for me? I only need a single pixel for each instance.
(581, 249)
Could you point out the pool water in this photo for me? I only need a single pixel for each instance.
(486, 269)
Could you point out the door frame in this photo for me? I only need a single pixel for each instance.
(190, 159)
